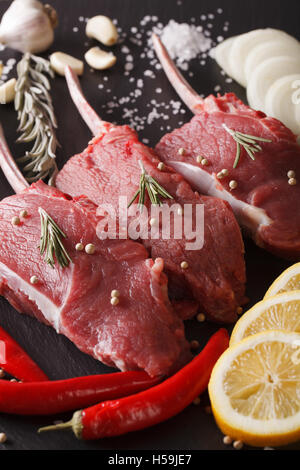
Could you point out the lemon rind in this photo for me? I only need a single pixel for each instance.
(271, 432)
(243, 323)
(281, 280)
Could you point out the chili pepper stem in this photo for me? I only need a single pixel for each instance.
(75, 424)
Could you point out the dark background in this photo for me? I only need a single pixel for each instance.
(193, 428)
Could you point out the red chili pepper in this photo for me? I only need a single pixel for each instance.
(43, 398)
(159, 403)
(15, 361)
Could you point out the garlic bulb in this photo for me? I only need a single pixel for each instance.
(27, 26)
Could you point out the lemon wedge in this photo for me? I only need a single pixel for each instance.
(287, 281)
(280, 312)
(254, 389)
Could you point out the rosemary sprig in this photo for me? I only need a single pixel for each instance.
(154, 189)
(51, 243)
(37, 120)
(248, 142)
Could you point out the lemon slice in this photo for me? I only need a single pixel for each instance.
(255, 387)
(288, 280)
(280, 312)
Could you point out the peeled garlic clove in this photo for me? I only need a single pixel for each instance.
(8, 91)
(59, 60)
(102, 28)
(99, 59)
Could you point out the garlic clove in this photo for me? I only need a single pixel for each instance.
(99, 59)
(102, 28)
(8, 91)
(59, 60)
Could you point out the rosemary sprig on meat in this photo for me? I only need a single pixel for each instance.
(51, 241)
(154, 189)
(248, 142)
(37, 120)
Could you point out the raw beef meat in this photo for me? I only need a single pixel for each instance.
(266, 199)
(109, 168)
(141, 332)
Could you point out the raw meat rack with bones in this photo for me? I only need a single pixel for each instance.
(139, 331)
(251, 160)
(212, 276)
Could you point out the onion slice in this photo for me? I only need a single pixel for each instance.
(280, 104)
(266, 74)
(266, 50)
(245, 43)
(221, 54)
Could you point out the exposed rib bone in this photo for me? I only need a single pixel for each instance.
(184, 90)
(91, 118)
(9, 167)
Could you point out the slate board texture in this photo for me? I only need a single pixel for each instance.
(193, 428)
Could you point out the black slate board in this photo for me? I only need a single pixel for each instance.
(193, 428)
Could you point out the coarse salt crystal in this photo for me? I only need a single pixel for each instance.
(149, 73)
(125, 50)
(128, 66)
(184, 42)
